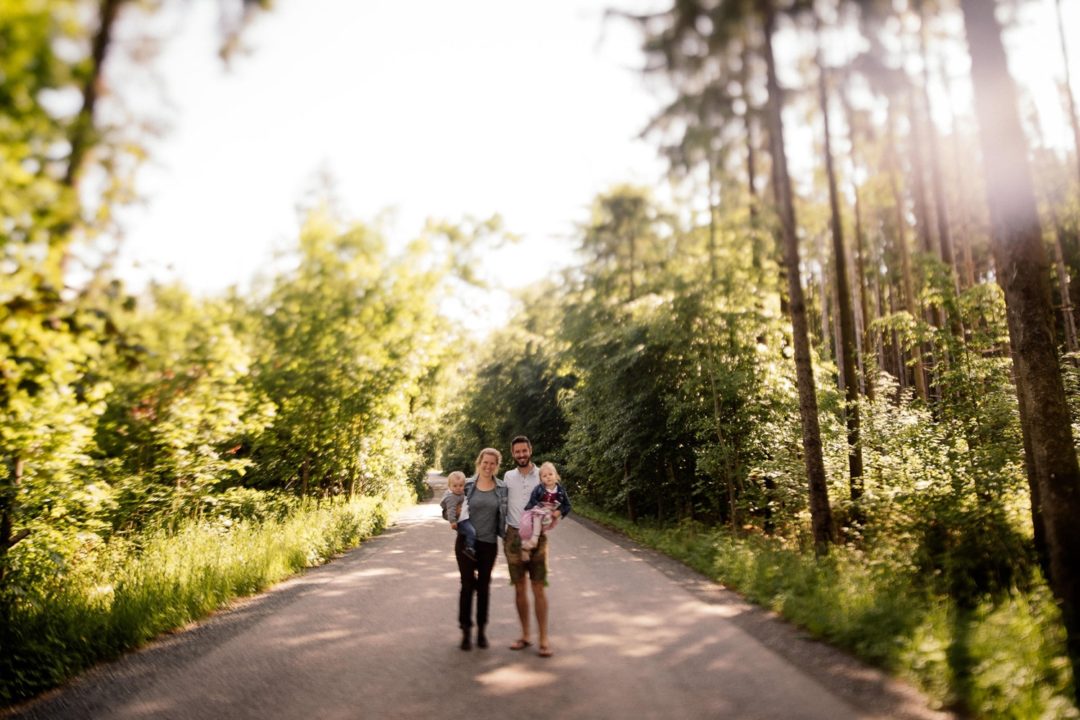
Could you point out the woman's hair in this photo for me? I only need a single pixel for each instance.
(489, 451)
(457, 474)
(551, 466)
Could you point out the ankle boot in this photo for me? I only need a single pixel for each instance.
(481, 638)
(466, 643)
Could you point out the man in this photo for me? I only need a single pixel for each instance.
(519, 484)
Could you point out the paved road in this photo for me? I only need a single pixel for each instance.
(372, 635)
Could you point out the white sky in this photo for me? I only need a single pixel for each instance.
(427, 109)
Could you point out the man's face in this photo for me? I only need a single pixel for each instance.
(522, 454)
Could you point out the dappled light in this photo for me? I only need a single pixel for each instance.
(515, 678)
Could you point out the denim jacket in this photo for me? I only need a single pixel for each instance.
(501, 496)
(539, 491)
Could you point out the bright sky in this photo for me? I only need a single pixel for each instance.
(427, 108)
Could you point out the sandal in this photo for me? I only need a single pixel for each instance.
(520, 644)
(544, 651)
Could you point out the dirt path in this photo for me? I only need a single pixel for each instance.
(372, 635)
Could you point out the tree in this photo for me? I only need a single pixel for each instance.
(622, 242)
(846, 353)
(820, 510)
(1023, 272)
(345, 341)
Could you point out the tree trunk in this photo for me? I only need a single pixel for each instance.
(1067, 316)
(828, 336)
(905, 257)
(1024, 274)
(712, 219)
(8, 502)
(862, 326)
(820, 511)
(918, 177)
(865, 320)
(846, 354)
(1070, 249)
(81, 135)
(937, 187)
(720, 435)
(82, 129)
(1070, 99)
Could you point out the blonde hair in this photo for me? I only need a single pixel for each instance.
(551, 466)
(489, 451)
(457, 474)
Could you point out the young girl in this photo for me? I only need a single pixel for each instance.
(539, 517)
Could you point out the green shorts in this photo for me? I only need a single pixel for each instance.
(536, 568)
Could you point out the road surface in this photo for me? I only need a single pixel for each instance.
(372, 635)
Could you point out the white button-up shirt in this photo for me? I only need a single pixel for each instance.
(519, 487)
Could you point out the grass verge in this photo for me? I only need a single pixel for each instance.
(120, 594)
(1005, 658)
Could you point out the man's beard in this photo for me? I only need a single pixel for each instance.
(523, 462)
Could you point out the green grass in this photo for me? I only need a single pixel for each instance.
(121, 594)
(1003, 659)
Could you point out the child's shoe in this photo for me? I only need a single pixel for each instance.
(469, 553)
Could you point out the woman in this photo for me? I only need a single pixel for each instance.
(485, 506)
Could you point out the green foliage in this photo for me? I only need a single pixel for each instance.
(108, 597)
(182, 407)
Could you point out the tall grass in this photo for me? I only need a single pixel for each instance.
(1004, 658)
(119, 594)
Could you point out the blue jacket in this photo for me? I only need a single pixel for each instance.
(538, 493)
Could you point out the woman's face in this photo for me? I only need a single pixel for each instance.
(488, 465)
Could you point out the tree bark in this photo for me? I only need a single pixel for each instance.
(918, 370)
(8, 502)
(846, 354)
(865, 320)
(1067, 315)
(1070, 99)
(918, 177)
(82, 129)
(820, 510)
(1023, 272)
(937, 187)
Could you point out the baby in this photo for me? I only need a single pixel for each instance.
(539, 517)
(451, 503)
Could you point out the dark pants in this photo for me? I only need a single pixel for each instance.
(475, 578)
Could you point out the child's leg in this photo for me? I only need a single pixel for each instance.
(537, 520)
(465, 527)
